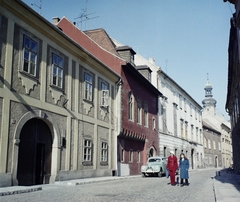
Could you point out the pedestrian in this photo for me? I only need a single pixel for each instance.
(183, 167)
(172, 166)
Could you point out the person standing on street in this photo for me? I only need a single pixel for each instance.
(183, 168)
(172, 166)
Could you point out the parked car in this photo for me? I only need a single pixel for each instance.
(156, 166)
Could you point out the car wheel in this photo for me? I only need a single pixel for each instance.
(160, 174)
(143, 175)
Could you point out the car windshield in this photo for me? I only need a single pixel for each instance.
(154, 160)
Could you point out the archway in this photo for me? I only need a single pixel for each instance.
(152, 152)
(192, 158)
(34, 156)
(216, 162)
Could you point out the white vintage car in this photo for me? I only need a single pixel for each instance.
(155, 166)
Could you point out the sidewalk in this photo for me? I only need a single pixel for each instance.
(25, 189)
(227, 187)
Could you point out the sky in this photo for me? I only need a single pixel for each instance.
(188, 39)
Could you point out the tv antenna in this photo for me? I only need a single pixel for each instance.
(39, 6)
(85, 16)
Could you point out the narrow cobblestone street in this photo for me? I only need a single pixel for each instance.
(132, 189)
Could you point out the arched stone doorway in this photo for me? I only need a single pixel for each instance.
(216, 162)
(34, 155)
(192, 158)
(152, 152)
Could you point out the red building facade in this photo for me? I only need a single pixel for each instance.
(138, 138)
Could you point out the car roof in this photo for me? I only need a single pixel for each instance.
(153, 157)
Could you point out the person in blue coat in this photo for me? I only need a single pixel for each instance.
(183, 168)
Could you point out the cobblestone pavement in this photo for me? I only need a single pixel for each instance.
(136, 189)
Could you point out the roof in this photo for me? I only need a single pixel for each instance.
(141, 78)
(112, 61)
(175, 83)
(101, 37)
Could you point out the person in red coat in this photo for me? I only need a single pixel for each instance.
(172, 166)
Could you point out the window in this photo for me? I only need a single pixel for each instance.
(164, 118)
(175, 119)
(131, 155)
(192, 127)
(185, 105)
(182, 134)
(219, 146)
(145, 114)
(205, 142)
(88, 80)
(214, 145)
(139, 157)
(200, 135)
(30, 49)
(180, 101)
(57, 71)
(149, 76)
(130, 106)
(186, 129)
(196, 134)
(87, 150)
(154, 124)
(209, 144)
(139, 111)
(164, 151)
(104, 152)
(104, 94)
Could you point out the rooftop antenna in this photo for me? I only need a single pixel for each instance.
(84, 16)
(39, 6)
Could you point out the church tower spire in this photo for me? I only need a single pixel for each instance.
(209, 104)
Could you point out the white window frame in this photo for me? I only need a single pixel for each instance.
(30, 62)
(130, 155)
(88, 87)
(104, 152)
(87, 150)
(59, 71)
(130, 106)
(145, 114)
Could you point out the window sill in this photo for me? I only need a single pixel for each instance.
(87, 163)
(56, 88)
(88, 101)
(29, 75)
(102, 163)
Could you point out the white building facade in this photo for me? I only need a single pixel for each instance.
(180, 117)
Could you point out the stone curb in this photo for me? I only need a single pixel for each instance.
(20, 191)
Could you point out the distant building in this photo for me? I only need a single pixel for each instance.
(180, 119)
(216, 133)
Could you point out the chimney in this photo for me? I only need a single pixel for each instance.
(55, 20)
(152, 61)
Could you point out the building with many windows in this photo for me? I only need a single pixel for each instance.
(58, 102)
(138, 135)
(180, 117)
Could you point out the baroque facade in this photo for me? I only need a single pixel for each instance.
(57, 103)
(180, 117)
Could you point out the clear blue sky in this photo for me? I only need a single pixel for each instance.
(187, 38)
